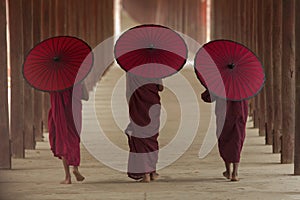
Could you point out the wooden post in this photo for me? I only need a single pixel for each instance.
(38, 95)
(262, 100)
(5, 158)
(225, 24)
(99, 23)
(212, 19)
(238, 30)
(277, 55)
(51, 18)
(255, 49)
(71, 18)
(228, 27)
(233, 18)
(81, 21)
(60, 17)
(202, 16)
(92, 24)
(218, 20)
(47, 31)
(297, 114)
(288, 81)
(45, 19)
(243, 21)
(253, 46)
(250, 37)
(17, 95)
(269, 70)
(253, 24)
(29, 140)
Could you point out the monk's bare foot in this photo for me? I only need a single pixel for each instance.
(226, 174)
(154, 176)
(234, 177)
(78, 176)
(146, 178)
(66, 181)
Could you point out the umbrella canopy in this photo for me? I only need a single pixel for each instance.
(229, 70)
(58, 63)
(151, 51)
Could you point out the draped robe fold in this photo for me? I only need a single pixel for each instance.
(64, 123)
(231, 126)
(143, 130)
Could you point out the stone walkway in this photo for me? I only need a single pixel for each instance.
(38, 175)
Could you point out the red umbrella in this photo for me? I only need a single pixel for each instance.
(151, 51)
(229, 70)
(57, 63)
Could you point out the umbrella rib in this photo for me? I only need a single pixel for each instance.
(151, 36)
(74, 55)
(248, 86)
(79, 55)
(50, 50)
(227, 54)
(70, 46)
(246, 79)
(70, 67)
(44, 49)
(166, 38)
(41, 76)
(54, 46)
(244, 57)
(217, 60)
(60, 46)
(37, 72)
(35, 65)
(235, 52)
(144, 36)
(135, 62)
(233, 86)
(204, 60)
(32, 79)
(252, 72)
(37, 58)
(169, 62)
(248, 60)
(217, 85)
(158, 34)
(258, 79)
(161, 59)
(238, 89)
(244, 88)
(46, 55)
(240, 54)
(211, 75)
(47, 79)
(141, 60)
(63, 80)
(226, 78)
(221, 54)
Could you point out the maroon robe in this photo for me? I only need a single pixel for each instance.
(64, 123)
(142, 131)
(231, 128)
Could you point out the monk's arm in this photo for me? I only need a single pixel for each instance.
(160, 86)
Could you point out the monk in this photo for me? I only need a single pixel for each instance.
(64, 123)
(231, 119)
(143, 130)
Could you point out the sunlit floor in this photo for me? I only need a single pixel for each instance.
(261, 176)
